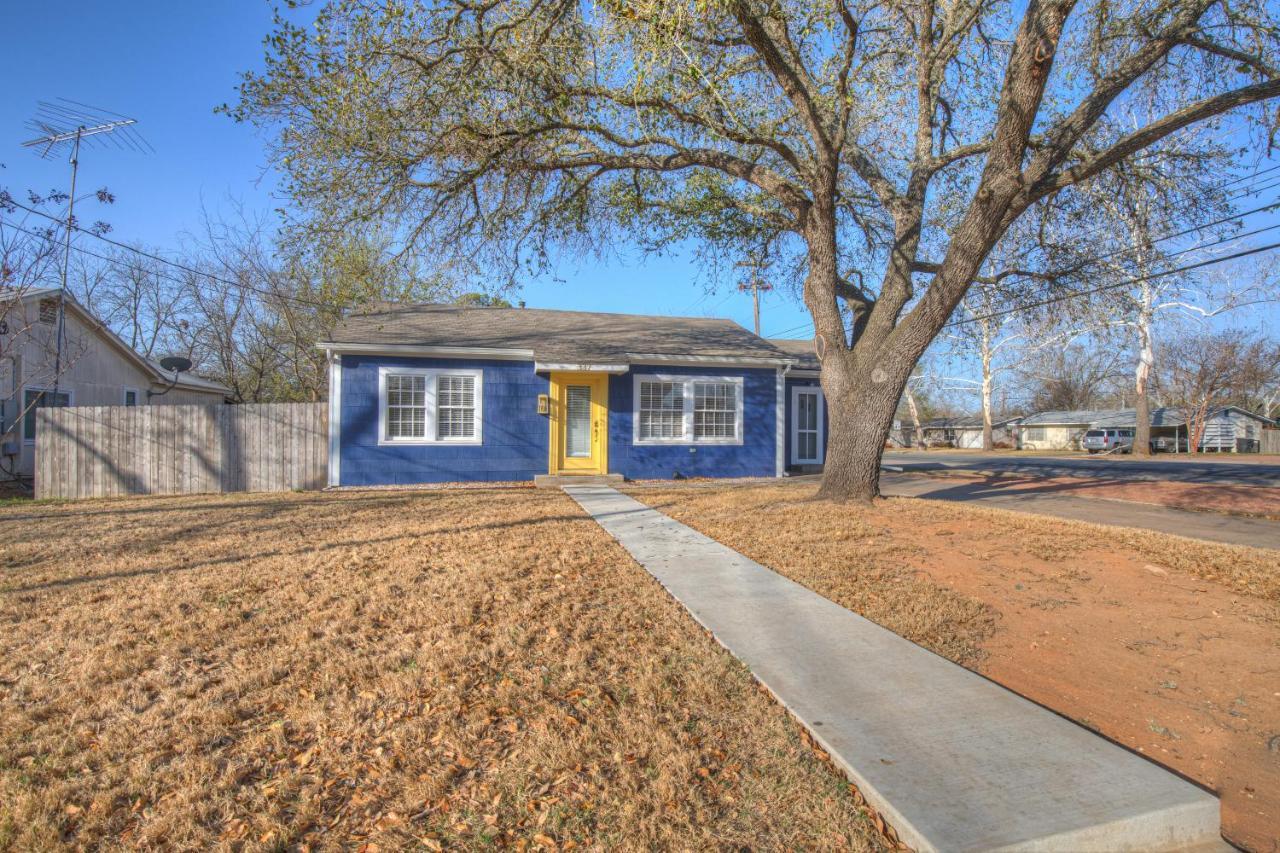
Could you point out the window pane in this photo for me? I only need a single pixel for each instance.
(661, 412)
(714, 410)
(455, 407)
(406, 406)
(578, 421)
(34, 399)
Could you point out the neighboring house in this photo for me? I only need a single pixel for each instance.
(1056, 430)
(434, 393)
(95, 368)
(966, 432)
(1229, 429)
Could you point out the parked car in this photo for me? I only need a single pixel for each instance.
(1108, 440)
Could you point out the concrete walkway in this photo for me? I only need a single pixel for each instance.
(1215, 527)
(953, 761)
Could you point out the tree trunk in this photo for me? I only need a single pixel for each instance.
(1142, 417)
(861, 403)
(1142, 376)
(988, 440)
(915, 416)
(855, 445)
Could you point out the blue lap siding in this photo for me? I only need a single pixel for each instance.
(753, 458)
(515, 435)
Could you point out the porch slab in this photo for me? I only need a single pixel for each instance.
(953, 761)
(556, 481)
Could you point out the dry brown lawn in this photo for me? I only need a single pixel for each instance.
(1164, 644)
(434, 669)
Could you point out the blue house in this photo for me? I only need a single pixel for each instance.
(443, 393)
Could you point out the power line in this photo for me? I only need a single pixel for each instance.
(1118, 252)
(200, 273)
(1116, 285)
(1250, 189)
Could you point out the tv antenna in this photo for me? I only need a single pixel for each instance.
(67, 124)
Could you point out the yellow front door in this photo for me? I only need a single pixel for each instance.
(579, 423)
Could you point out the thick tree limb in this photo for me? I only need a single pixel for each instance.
(1154, 132)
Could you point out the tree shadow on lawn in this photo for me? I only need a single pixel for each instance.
(63, 583)
(1188, 496)
(191, 503)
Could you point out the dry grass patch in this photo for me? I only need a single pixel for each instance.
(434, 668)
(1167, 645)
(853, 557)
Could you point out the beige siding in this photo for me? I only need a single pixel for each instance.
(1052, 437)
(94, 371)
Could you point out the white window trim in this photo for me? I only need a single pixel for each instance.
(796, 391)
(687, 382)
(22, 406)
(124, 395)
(430, 429)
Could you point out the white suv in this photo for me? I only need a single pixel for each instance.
(1103, 440)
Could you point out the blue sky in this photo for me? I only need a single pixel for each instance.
(169, 65)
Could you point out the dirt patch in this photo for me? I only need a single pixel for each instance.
(434, 669)
(1168, 646)
(1254, 501)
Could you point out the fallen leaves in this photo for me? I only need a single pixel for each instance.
(448, 693)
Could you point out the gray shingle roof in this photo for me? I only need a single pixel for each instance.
(801, 349)
(553, 336)
(1072, 416)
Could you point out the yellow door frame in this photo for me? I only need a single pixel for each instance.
(598, 462)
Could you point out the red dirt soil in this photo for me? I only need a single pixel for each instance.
(1179, 668)
(1168, 647)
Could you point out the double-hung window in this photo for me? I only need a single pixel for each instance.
(688, 410)
(429, 405)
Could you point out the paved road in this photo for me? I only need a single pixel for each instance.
(1099, 467)
(1234, 530)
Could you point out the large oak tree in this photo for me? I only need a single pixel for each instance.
(887, 145)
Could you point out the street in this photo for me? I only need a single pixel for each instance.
(1228, 471)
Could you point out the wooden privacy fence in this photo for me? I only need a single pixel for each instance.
(1270, 441)
(98, 451)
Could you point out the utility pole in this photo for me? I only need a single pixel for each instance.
(70, 122)
(756, 286)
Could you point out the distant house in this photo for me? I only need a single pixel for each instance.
(94, 368)
(966, 432)
(1055, 430)
(439, 393)
(1228, 430)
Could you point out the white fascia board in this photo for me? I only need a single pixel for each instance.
(796, 373)
(501, 354)
(335, 419)
(579, 367)
(704, 360)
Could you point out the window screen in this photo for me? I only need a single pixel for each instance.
(715, 406)
(406, 406)
(455, 407)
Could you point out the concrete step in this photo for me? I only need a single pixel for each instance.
(953, 761)
(556, 481)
